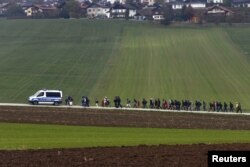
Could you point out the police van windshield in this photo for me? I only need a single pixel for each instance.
(37, 94)
(40, 94)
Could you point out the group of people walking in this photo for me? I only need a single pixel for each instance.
(163, 104)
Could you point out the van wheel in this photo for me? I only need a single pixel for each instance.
(35, 102)
(56, 103)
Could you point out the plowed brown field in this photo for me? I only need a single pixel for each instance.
(162, 155)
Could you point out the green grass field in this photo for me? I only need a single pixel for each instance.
(135, 60)
(29, 136)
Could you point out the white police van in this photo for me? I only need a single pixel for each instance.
(46, 97)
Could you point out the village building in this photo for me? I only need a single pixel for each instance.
(98, 10)
(150, 13)
(148, 2)
(177, 5)
(241, 3)
(197, 5)
(219, 10)
(36, 9)
(215, 1)
(122, 11)
(116, 1)
(3, 8)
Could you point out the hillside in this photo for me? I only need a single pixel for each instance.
(135, 60)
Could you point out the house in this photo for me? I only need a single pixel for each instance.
(3, 8)
(116, 1)
(144, 13)
(170, 1)
(122, 11)
(150, 13)
(158, 13)
(218, 10)
(215, 1)
(194, 5)
(27, 8)
(98, 10)
(36, 9)
(241, 3)
(52, 2)
(148, 2)
(177, 5)
(197, 5)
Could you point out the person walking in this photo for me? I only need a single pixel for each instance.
(144, 103)
(128, 103)
(204, 105)
(238, 107)
(225, 107)
(231, 106)
(119, 102)
(69, 101)
(96, 102)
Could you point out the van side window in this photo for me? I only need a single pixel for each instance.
(53, 94)
(40, 94)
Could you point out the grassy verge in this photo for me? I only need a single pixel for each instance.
(35, 136)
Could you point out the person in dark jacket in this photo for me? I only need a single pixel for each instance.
(204, 105)
(144, 103)
(231, 106)
(69, 101)
(225, 107)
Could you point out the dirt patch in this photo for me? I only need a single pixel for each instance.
(146, 156)
(124, 118)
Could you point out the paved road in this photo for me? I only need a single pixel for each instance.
(113, 108)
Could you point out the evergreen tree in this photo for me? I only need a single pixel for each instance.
(187, 13)
(227, 3)
(168, 15)
(15, 10)
(72, 8)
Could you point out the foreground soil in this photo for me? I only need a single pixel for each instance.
(124, 118)
(146, 156)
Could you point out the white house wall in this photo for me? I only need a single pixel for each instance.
(216, 11)
(198, 5)
(132, 13)
(150, 2)
(28, 12)
(177, 6)
(113, 1)
(215, 1)
(157, 17)
(98, 11)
